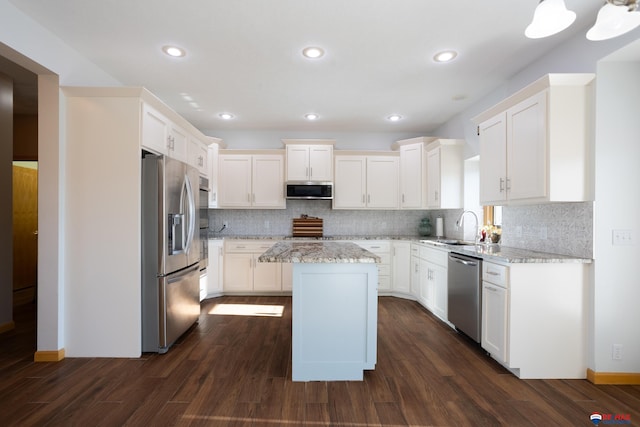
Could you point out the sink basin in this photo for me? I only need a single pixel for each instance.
(455, 242)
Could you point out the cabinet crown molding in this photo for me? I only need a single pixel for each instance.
(424, 139)
(286, 142)
(545, 82)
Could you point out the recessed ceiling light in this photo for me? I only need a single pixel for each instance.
(174, 51)
(394, 117)
(313, 52)
(445, 56)
(311, 116)
(225, 116)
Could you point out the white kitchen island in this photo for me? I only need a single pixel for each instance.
(335, 308)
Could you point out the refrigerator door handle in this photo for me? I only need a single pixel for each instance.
(191, 207)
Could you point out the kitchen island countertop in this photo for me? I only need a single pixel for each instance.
(315, 251)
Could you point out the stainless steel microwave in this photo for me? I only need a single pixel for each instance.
(309, 190)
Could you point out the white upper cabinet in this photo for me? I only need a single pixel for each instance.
(309, 160)
(177, 144)
(445, 174)
(535, 145)
(366, 182)
(350, 184)
(251, 181)
(234, 184)
(268, 181)
(155, 130)
(413, 172)
(197, 156)
(161, 135)
(212, 159)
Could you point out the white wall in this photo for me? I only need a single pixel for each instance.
(33, 47)
(617, 287)
(273, 139)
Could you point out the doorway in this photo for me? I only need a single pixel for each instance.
(25, 233)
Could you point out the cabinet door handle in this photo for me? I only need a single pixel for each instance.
(501, 185)
(368, 198)
(311, 172)
(215, 195)
(363, 199)
(402, 198)
(417, 268)
(508, 184)
(436, 195)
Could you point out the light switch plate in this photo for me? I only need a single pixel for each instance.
(622, 237)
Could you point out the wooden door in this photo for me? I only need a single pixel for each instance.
(25, 237)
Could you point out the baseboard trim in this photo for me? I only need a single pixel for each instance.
(49, 356)
(619, 378)
(7, 326)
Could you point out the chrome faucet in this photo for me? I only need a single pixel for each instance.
(460, 223)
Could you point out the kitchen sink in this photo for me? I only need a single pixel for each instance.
(455, 242)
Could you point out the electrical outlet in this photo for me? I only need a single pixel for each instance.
(542, 233)
(616, 351)
(622, 237)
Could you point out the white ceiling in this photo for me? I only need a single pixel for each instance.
(244, 56)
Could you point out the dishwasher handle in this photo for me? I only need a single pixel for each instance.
(463, 261)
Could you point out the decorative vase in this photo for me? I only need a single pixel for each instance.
(425, 227)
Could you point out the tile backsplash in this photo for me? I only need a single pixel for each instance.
(246, 222)
(563, 228)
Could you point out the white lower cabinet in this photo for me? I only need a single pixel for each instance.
(382, 248)
(534, 318)
(438, 281)
(215, 275)
(433, 279)
(494, 310)
(243, 272)
(401, 267)
(415, 270)
(287, 276)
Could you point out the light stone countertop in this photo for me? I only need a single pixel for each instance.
(496, 253)
(312, 251)
(509, 255)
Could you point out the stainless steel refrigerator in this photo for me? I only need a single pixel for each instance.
(170, 251)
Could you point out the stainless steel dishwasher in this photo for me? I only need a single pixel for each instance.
(465, 294)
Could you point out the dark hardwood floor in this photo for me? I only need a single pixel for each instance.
(235, 371)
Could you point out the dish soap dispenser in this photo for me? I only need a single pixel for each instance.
(425, 227)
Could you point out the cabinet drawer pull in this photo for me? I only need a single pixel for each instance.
(493, 273)
(491, 288)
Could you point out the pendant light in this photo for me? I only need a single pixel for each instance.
(615, 18)
(550, 17)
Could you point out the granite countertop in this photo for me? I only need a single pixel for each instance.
(311, 251)
(496, 253)
(506, 254)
